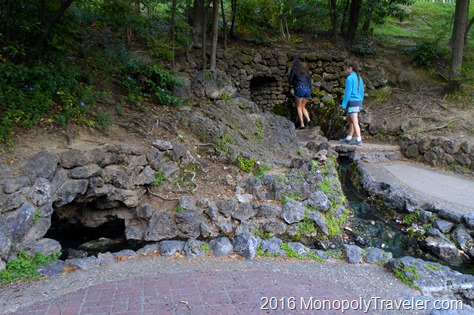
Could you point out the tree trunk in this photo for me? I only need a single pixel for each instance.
(224, 24)
(215, 33)
(457, 38)
(353, 23)
(7, 35)
(46, 28)
(469, 25)
(344, 18)
(334, 13)
(204, 35)
(233, 5)
(198, 22)
(173, 29)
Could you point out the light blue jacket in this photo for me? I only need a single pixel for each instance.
(354, 91)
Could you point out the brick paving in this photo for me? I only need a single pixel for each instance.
(220, 292)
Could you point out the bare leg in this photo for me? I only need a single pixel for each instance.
(350, 131)
(355, 124)
(299, 109)
(305, 111)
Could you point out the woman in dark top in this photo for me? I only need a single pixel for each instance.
(300, 78)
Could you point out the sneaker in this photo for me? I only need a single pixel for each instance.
(301, 127)
(344, 140)
(311, 124)
(355, 142)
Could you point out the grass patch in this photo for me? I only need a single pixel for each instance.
(159, 178)
(290, 253)
(401, 274)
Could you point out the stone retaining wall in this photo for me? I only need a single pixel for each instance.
(262, 74)
(439, 151)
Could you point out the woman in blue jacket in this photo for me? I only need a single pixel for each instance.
(352, 102)
(300, 78)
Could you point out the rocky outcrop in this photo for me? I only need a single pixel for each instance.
(113, 181)
(434, 279)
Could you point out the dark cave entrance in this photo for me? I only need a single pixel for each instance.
(78, 240)
(266, 91)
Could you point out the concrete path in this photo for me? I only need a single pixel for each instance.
(451, 187)
(429, 185)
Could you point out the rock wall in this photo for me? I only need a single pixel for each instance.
(439, 151)
(109, 182)
(302, 201)
(261, 74)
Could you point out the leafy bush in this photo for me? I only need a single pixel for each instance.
(245, 164)
(424, 54)
(25, 266)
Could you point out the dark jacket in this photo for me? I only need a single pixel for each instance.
(299, 81)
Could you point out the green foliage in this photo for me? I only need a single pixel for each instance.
(25, 266)
(306, 227)
(284, 197)
(335, 225)
(222, 144)
(363, 49)
(143, 81)
(205, 247)
(432, 267)
(402, 271)
(159, 178)
(411, 218)
(290, 253)
(261, 170)
(103, 120)
(424, 54)
(85, 52)
(329, 101)
(246, 164)
(326, 186)
(179, 209)
(379, 95)
(37, 216)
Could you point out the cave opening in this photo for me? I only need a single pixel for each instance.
(79, 240)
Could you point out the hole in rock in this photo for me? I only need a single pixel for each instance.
(78, 240)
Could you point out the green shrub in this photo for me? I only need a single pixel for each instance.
(159, 178)
(424, 54)
(245, 164)
(25, 266)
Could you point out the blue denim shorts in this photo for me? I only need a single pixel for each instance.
(303, 92)
(354, 107)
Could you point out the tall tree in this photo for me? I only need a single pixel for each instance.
(457, 39)
(198, 22)
(224, 25)
(334, 14)
(45, 25)
(233, 5)
(215, 30)
(353, 23)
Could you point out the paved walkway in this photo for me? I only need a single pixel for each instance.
(232, 292)
(158, 285)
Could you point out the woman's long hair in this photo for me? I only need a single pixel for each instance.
(300, 68)
(355, 67)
